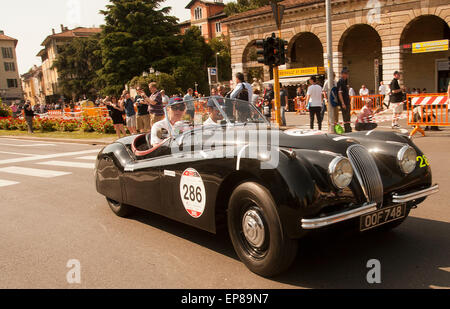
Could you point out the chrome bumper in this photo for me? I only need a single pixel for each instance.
(415, 195)
(310, 224)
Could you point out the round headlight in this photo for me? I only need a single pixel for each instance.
(407, 159)
(341, 172)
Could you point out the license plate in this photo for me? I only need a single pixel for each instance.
(382, 216)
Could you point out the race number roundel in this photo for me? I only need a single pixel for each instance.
(192, 191)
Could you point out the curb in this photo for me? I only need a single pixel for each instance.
(64, 140)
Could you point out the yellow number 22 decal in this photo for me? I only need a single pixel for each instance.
(423, 161)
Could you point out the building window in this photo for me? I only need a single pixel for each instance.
(12, 83)
(10, 67)
(218, 27)
(198, 13)
(7, 52)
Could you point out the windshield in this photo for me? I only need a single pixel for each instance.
(210, 111)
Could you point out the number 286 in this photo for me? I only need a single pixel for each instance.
(423, 161)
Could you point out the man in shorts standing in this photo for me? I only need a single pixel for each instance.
(396, 99)
(155, 105)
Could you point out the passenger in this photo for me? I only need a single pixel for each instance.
(214, 114)
(161, 130)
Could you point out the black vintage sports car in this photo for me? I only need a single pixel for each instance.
(271, 186)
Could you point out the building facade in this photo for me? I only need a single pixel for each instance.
(208, 16)
(10, 85)
(52, 46)
(33, 85)
(372, 38)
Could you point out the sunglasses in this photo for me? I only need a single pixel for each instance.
(178, 107)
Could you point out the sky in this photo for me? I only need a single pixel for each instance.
(31, 21)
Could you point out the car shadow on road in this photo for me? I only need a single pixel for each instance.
(219, 242)
(412, 256)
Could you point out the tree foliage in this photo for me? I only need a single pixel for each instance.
(222, 46)
(77, 64)
(240, 6)
(137, 33)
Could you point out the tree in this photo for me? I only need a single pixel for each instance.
(163, 81)
(189, 61)
(222, 46)
(77, 64)
(240, 6)
(137, 33)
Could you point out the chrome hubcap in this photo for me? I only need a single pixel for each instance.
(253, 228)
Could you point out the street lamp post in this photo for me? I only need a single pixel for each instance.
(217, 66)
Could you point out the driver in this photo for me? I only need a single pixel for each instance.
(214, 114)
(160, 129)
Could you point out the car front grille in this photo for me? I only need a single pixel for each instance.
(367, 173)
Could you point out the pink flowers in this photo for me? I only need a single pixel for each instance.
(87, 124)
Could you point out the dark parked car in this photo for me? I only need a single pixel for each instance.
(271, 187)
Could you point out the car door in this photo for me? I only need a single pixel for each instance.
(191, 179)
(142, 184)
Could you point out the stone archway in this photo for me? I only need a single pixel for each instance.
(361, 47)
(424, 70)
(251, 68)
(306, 50)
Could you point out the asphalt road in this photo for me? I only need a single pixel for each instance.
(51, 213)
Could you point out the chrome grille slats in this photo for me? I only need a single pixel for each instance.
(366, 171)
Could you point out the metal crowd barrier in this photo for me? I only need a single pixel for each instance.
(429, 109)
(358, 102)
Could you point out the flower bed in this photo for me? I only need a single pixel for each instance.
(87, 124)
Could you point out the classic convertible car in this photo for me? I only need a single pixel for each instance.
(271, 187)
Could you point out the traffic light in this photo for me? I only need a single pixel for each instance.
(261, 50)
(283, 51)
(273, 51)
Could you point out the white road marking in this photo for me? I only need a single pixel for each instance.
(87, 158)
(51, 156)
(31, 141)
(18, 154)
(32, 172)
(29, 145)
(5, 183)
(69, 164)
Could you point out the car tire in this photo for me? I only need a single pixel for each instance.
(256, 232)
(120, 209)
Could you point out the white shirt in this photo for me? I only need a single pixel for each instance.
(210, 122)
(315, 91)
(238, 89)
(351, 92)
(382, 89)
(163, 124)
(178, 127)
(363, 92)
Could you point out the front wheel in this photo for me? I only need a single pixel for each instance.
(120, 209)
(256, 232)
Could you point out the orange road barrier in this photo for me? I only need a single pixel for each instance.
(358, 102)
(430, 109)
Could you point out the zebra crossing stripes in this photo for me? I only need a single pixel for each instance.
(69, 164)
(25, 171)
(5, 183)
